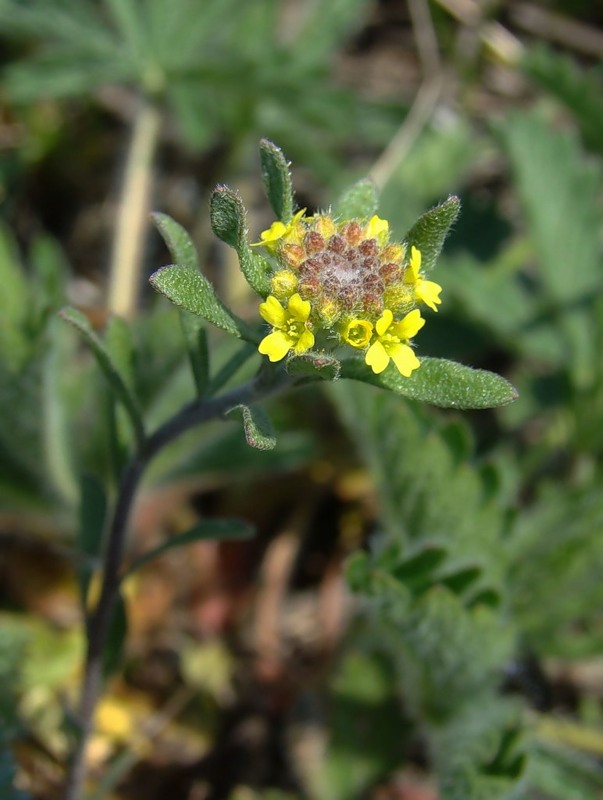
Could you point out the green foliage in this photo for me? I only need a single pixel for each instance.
(215, 529)
(359, 201)
(431, 229)
(434, 585)
(577, 89)
(228, 221)
(191, 291)
(439, 382)
(259, 432)
(109, 366)
(223, 70)
(277, 180)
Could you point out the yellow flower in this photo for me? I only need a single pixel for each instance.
(289, 327)
(357, 332)
(391, 343)
(279, 231)
(427, 292)
(377, 228)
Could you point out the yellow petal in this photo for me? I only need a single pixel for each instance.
(429, 293)
(384, 321)
(414, 267)
(273, 312)
(376, 357)
(375, 227)
(404, 358)
(409, 326)
(298, 308)
(305, 342)
(276, 345)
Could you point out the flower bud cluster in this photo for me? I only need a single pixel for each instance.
(348, 281)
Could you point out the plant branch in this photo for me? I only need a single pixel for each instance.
(267, 383)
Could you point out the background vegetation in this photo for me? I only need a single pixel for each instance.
(419, 615)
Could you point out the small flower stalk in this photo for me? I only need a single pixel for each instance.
(344, 284)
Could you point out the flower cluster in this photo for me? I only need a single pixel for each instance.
(344, 283)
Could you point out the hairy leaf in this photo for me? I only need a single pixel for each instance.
(277, 180)
(439, 382)
(359, 201)
(430, 230)
(259, 432)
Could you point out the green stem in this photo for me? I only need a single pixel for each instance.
(194, 413)
(133, 212)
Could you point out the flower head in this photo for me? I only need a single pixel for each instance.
(427, 292)
(290, 329)
(348, 280)
(391, 342)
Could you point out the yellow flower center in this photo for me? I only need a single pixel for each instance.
(358, 332)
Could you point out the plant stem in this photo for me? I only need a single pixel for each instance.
(98, 628)
(132, 215)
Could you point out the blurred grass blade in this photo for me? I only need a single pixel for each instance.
(109, 368)
(439, 382)
(211, 529)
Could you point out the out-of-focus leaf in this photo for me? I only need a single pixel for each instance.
(116, 381)
(439, 382)
(580, 91)
(215, 529)
(195, 339)
(178, 241)
(359, 201)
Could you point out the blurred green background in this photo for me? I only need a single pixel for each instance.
(250, 670)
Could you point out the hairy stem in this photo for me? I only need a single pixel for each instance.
(132, 215)
(98, 628)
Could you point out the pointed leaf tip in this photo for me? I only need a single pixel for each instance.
(277, 180)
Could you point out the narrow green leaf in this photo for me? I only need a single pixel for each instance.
(439, 382)
(92, 515)
(189, 289)
(359, 201)
(277, 180)
(178, 241)
(234, 363)
(229, 223)
(215, 529)
(421, 565)
(430, 230)
(314, 365)
(110, 370)
(195, 338)
(258, 428)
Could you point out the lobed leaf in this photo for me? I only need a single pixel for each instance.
(439, 382)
